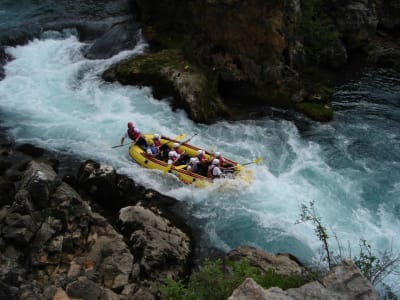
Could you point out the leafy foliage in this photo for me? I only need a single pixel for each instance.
(376, 268)
(217, 279)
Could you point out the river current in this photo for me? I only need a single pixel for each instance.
(53, 97)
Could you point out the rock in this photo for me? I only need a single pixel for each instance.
(171, 75)
(83, 288)
(344, 282)
(7, 191)
(357, 20)
(280, 263)
(19, 229)
(160, 248)
(249, 289)
(40, 181)
(389, 14)
(99, 182)
(111, 257)
(31, 150)
(347, 279)
(60, 294)
(122, 35)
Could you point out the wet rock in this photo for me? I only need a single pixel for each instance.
(31, 150)
(120, 36)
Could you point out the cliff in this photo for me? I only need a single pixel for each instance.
(279, 53)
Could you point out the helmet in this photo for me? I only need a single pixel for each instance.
(170, 154)
(215, 161)
(156, 136)
(194, 160)
(175, 145)
(130, 124)
(217, 154)
(200, 152)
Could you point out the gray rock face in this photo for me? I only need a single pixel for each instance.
(40, 180)
(161, 249)
(53, 246)
(345, 282)
(281, 263)
(357, 20)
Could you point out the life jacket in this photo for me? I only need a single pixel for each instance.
(210, 171)
(157, 143)
(133, 134)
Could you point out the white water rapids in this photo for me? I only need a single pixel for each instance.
(55, 98)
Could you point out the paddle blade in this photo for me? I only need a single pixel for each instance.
(180, 167)
(257, 160)
(179, 137)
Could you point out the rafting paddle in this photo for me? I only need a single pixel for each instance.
(256, 161)
(178, 137)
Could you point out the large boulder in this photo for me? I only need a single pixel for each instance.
(283, 264)
(356, 20)
(161, 249)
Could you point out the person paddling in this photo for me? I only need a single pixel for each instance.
(214, 171)
(134, 134)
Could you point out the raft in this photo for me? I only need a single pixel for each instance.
(139, 155)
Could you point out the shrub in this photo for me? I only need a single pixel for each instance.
(374, 268)
(217, 279)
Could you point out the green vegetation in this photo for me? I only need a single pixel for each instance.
(317, 28)
(374, 268)
(217, 279)
(316, 111)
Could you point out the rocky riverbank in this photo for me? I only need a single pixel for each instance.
(285, 54)
(99, 235)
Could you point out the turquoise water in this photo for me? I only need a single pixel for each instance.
(53, 97)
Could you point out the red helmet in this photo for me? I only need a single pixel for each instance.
(130, 124)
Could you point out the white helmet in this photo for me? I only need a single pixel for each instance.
(217, 154)
(156, 136)
(215, 161)
(194, 160)
(200, 152)
(171, 153)
(175, 145)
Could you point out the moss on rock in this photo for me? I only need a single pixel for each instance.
(316, 111)
(170, 74)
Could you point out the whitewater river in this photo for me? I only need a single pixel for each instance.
(55, 98)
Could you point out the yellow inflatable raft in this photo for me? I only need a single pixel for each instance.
(140, 156)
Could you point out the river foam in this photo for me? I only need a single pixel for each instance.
(55, 98)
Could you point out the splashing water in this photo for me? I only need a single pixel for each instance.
(55, 98)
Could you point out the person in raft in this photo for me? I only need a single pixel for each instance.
(214, 170)
(134, 134)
